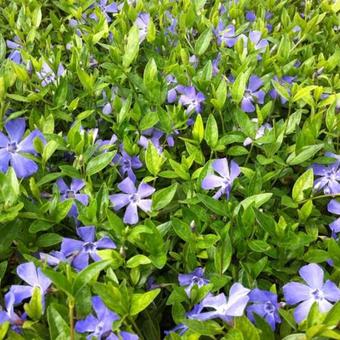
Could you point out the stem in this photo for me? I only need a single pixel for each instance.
(137, 330)
(71, 317)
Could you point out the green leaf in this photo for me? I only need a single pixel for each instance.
(221, 95)
(137, 260)
(150, 72)
(59, 280)
(141, 301)
(87, 274)
(303, 92)
(255, 200)
(306, 153)
(203, 41)
(239, 86)
(4, 329)
(248, 330)
(99, 162)
(215, 206)
(198, 129)
(34, 307)
(211, 131)
(153, 159)
(58, 327)
(132, 46)
(332, 318)
(39, 225)
(204, 328)
(163, 197)
(304, 182)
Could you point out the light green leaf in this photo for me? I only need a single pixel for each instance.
(132, 46)
(141, 301)
(304, 182)
(99, 162)
(163, 197)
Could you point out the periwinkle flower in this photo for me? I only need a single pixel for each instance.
(132, 198)
(225, 181)
(259, 133)
(315, 290)
(225, 35)
(264, 304)
(48, 76)
(196, 278)
(250, 16)
(284, 81)
(9, 315)
(213, 307)
(329, 177)
(252, 94)
(142, 22)
(127, 164)
(191, 99)
(334, 208)
(193, 60)
(151, 135)
(215, 64)
(171, 81)
(53, 258)
(171, 29)
(82, 251)
(34, 278)
(13, 148)
(73, 192)
(98, 326)
(15, 46)
(255, 38)
(106, 9)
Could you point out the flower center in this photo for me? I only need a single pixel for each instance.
(126, 163)
(269, 307)
(317, 294)
(89, 247)
(12, 147)
(99, 328)
(70, 194)
(134, 198)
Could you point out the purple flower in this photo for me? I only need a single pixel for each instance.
(9, 315)
(172, 93)
(171, 29)
(190, 99)
(220, 307)
(142, 23)
(190, 280)
(314, 291)
(127, 164)
(100, 324)
(11, 148)
(258, 43)
(34, 277)
(334, 208)
(73, 192)
(47, 75)
(225, 180)
(264, 304)
(107, 108)
(193, 60)
(252, 94)
(152, 135)
(81, 251)
(15, 46)
(329, 177)
(225, 35)
(250, 16)
(132, 198)
(284, 81)
(106, 9)
(259, 133)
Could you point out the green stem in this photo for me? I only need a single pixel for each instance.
(137, 330)
(71, 317)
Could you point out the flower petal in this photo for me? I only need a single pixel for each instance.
(127, 186)
(295, 292)
(145, 190)
(212, 181)
(313, 275)
(131, 214)
(23, 166)
(87, 234)
(16, 129)
(119, 200)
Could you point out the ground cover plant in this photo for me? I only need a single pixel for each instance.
(169, 169)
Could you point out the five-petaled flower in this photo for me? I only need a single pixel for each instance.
(329, 176)
(132, 198)
(191, 99)
(98, 326)
(219, 306)
(225, 35)
(13, 148)
(225, 180)
(252, 94)
(196, 278)
(73, 192)
(127, 164)
(81, 251)
(264, 304)
(106, 9)
(315, 291)
(142, 22)
(34, 277)
(48, 76)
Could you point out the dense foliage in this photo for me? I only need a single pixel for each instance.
(169, 169)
